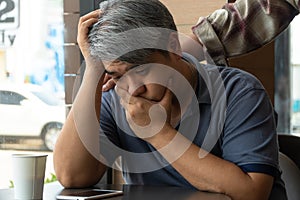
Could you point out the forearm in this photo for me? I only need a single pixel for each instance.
(210, 173)
(76, 154)
(244, 26)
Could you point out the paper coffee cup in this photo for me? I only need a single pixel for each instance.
(28, 175)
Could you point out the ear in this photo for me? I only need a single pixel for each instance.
(174, 47)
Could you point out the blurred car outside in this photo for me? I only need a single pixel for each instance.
(28, 111)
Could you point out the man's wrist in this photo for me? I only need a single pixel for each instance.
(163, 137)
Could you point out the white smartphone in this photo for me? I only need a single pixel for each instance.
(88, 194)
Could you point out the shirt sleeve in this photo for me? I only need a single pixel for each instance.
(249, 137)
(243, 26)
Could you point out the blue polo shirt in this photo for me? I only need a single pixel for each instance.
(245, 122)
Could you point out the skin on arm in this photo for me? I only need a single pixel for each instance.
(74, 165)
(209, 173)
(212, 173)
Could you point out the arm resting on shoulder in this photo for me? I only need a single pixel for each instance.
(243, 26)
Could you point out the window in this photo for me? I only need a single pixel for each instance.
(32, 91)
(287, 73)
(295, 67)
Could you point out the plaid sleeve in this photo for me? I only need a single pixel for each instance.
(243, 26)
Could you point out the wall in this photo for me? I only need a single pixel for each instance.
(186, 13)
(71, 49)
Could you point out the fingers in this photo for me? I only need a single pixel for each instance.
(89, 19)
(124, 95)
(124, 98)
(108, 84)
(85, 22)
(93, 14)
(166, 101)
(106, 78)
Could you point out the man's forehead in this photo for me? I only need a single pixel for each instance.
(117, 66)
(153, 57)
(114, 63)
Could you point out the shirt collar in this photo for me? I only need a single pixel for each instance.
(202, 92)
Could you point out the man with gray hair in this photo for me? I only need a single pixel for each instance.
(172, 120)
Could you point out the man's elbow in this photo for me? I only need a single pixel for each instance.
(258, 186)
(79, 180)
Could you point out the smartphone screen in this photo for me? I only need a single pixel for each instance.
(89, 194)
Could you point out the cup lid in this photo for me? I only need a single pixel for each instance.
(29, 155)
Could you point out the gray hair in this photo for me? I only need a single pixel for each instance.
(131, 30)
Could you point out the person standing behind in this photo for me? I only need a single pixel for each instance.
(241, 27)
